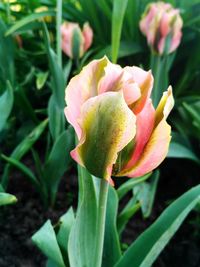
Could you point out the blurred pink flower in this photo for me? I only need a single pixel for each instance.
(119, 131)
(74, 41)
(162, 25)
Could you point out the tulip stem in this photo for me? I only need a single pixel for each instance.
(156, 69)
(58, 33)
(103, 194)
(160, 69)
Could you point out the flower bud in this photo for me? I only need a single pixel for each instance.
(162, 25)
(74, 41)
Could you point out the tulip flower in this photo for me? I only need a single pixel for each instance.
(162, 25)
(119, 131)
(74, 41)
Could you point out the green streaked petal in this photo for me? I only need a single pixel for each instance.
(108, 126)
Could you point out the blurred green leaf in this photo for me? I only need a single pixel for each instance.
(127, 186)
(6, 199)
(30, 175)
(28, 19)
(125, 215)
(119, 8)
(177, 150)
(56, 118)
(126, 49)
(58, 81)
(7, 71)
(6, 104)
(22, 148)
(58, 161)
(41, 78)
(145, 193)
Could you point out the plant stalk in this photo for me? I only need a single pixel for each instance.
(103, 195)
(58, 33)
(156, 70)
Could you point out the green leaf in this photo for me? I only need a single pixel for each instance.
(2, 189)
(67, 70)
(130, 209)
(58, 161)
(58, 81)
(145, 193)
(127, 186)
(66, 222)
(30, 175)
(119, 8)
(45, 240)
(179, 150)
(6, 199)
(111, 241)
(19, 24)
(81, 246)
(6, 104)
(50, 263)
(126, 49)
(7, 71)
(56, 118)
(192, 112)
(22, 148)
(41, 79)
(144, 251)
(24, 104)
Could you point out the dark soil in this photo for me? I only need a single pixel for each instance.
(20, 221)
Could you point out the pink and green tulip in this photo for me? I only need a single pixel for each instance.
(119, 131)
(162, 25)
(75, 42)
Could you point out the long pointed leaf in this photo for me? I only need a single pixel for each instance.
(82, 236)
(144, 251)
(45, 240)
(119, 8)
(6, 103)
(23, 148)
(28, 19)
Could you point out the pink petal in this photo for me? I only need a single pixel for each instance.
(112, 76)
(118, 79)
(81, 88)
(144, 126)
(144, 80)
(156, 148)
(165, 25)
(87, 35)
(154, 152)
(67, 29)
(131, 92)
(161, 45)
(146, 20)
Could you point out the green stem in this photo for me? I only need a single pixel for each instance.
(103, 194)
(8, 12)
(156, 70)
(58, 34)
(160, 68)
